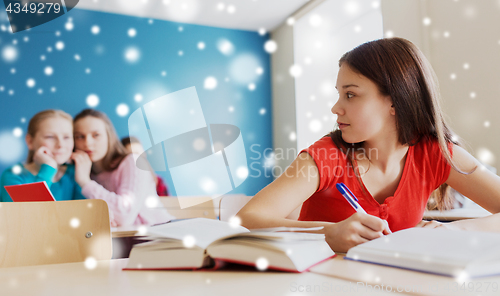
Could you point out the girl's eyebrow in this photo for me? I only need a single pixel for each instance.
(348, 85)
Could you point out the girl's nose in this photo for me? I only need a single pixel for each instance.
(88, 140)
(337, 108)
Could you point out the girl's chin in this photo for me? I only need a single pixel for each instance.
(347, 139)
(350, 140)
(62, 160)
(94, 159)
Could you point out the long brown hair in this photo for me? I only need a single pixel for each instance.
(401, 71)
(116, 152)
(37, 119)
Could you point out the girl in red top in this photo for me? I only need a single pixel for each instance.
(391, 147)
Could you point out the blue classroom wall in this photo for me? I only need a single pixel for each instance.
(170, 58)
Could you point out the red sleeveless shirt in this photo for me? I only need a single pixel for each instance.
(424, 171)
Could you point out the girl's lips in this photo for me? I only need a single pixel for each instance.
(343, 125)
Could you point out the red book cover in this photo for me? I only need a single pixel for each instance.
(221, 264)
(38, 191)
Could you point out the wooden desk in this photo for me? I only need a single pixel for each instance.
(109, 279)
(125, 231)
(456, 214)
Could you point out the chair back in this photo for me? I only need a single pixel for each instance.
(35, 233)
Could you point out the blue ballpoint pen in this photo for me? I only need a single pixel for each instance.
(353, 201)
(349, 196)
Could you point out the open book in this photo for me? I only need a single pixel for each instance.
(199, 243)
(462, 254)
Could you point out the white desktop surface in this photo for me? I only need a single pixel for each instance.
(107, 278)
(407, 281)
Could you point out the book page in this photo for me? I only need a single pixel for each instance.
(280, 236)
(203, 231)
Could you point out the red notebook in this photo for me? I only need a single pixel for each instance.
(38, 191)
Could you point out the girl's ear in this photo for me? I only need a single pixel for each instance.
(29, 142)
(393, 110)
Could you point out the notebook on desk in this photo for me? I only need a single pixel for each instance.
(453, 253)
(38, 191)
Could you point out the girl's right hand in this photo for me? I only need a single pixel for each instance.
(44, 156)
(83, 165)
(357, 229)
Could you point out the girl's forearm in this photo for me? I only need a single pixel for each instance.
(489, 223)
(254, 221)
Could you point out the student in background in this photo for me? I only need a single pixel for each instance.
(128, 143)
(50, 144)
(391, 147)
(106, 171)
